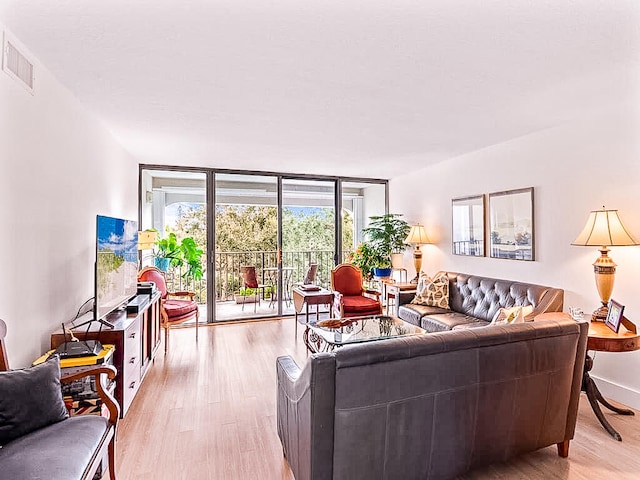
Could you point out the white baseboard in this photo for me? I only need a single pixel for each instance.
(618, 393)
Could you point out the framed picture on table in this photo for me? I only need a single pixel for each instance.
(614, 316)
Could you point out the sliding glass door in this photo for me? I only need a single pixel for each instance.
(246, 246)
(257, 233)
(173, 207)
(308, 231)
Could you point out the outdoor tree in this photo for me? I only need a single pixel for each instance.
(245, 228)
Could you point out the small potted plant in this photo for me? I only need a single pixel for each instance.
(386, 234)
(246, 295)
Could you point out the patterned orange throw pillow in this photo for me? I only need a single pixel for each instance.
(433, 292)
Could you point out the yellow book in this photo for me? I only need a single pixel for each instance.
(105, 353)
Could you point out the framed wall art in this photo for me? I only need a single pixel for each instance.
(511, 233)
(467, 236)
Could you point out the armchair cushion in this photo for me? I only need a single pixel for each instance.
(179, 308)
(348, 282)
(360, 304)
(61, 451)
(30, 399)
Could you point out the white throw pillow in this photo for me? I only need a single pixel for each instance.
(511, 315)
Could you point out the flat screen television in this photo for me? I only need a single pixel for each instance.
(116, 268)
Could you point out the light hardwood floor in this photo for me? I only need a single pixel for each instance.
(207, 411)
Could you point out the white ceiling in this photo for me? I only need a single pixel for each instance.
(368, 88)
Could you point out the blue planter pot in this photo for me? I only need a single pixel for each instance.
(161, 263)
(381, 272)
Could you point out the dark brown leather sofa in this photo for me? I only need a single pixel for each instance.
(474, 300)
(431, 406)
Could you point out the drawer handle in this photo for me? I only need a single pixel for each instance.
(133, 335)
(133, 360)
(132, 384)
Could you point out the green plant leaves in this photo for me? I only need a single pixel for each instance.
(186, 252)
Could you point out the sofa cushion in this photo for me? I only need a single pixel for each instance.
(31, 399)
(433, 292)
(412, 313)
(440, 322)
(38, 455)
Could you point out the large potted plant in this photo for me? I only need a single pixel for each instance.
(365, 258)
(167, 252)
(171, 253)
(386, 233)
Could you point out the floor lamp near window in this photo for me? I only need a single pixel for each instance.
(417, 236)
(604, 229)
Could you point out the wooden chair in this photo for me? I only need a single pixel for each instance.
(250, 280)
(175, 307)
(309, 276)
(105, 441)
(350, 297)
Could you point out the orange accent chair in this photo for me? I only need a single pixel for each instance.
(349, 295)
(175, 307)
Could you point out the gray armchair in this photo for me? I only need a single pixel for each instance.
(39, 440)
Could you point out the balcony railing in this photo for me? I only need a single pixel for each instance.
(229, 276)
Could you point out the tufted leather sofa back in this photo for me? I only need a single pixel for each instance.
(482, 297)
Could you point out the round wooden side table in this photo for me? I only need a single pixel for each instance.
(601, 339)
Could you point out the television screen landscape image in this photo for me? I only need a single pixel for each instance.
(116, 263)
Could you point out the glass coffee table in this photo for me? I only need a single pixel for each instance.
(326, 335)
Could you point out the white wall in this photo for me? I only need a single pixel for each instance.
(574, 169)
(59, 168)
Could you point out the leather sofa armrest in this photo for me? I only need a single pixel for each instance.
(405, 297)
(551, 301)
(288, 373)
(108, 399)
(305, 409)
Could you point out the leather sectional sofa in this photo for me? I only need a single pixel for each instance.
(474, 300)
(433, 405)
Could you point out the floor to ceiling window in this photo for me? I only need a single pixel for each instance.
(360, 201)
(174, 204)
(265, 230)
(246, 246)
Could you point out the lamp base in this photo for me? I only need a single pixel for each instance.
(600, 314)
(417, 263)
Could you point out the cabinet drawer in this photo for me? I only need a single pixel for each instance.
(131, 383)
(132, 343)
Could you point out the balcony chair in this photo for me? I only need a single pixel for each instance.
(350, 297)
(250, 280)
(175, 307)
(310, 275)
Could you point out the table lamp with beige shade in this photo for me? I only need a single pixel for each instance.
(604, 229)
(417, 236)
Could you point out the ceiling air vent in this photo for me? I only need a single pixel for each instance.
(16, 64)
